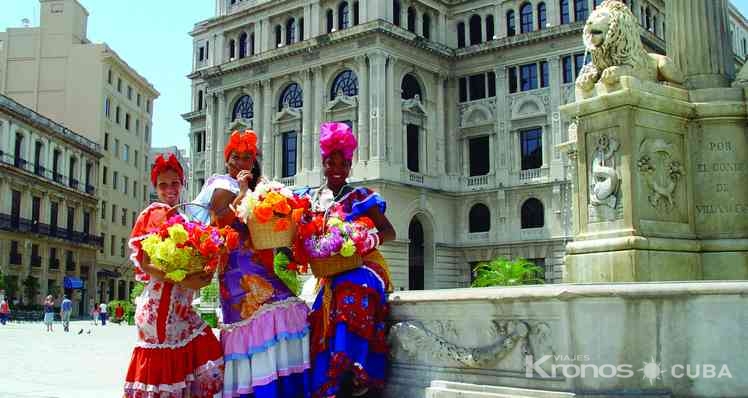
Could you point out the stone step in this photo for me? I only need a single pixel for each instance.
(447, 389)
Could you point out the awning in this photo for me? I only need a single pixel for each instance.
(72, 282)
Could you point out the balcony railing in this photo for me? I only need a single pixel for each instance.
(43, 172)
(531, 174)
(477, 181)
(416, 178)
(19, 224)
(288, 181)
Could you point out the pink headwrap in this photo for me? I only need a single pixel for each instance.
(336, 136)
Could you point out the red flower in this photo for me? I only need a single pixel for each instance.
(232, 239)
(208, 248)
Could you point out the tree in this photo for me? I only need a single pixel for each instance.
(504, 272)
(136, 291)
(30, 288)
(2, 280)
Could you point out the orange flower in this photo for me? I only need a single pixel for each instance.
(263, 213)
(282, 224)
(232, 239)
(273, 198)
(282, 208)
(296, 215)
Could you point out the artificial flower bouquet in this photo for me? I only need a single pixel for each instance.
(180, 247)
(271, 212)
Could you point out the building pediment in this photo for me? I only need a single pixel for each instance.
(414, 105)
(240, 124)
(287, 114)
(341, 102)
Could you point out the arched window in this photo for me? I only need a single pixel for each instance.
(479, 219)
(252, 44)
(329, 20)
(565, 16)
(511, 28)
(232, 49)
(525, 16)
(290, 31)
(410, 87)
(542, 17)
(344, 16)
(426, 28)
(242, 45)
(346, 83)
(199, 100)
(278, 35)
(489, 27)
(412, 19)
(461, 35)
(292, 95)
(532, 214)
(476, 35)
(355, 13)
(244, 108)
(396, 12)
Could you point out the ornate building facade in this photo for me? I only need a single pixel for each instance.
(88, 88)
(48, 207)
(455, 105)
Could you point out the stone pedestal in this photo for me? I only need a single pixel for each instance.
(634, 218)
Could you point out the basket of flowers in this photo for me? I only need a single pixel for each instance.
(333, 246)
(269, 213)
(181, 247)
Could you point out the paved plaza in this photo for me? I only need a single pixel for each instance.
(38, 364)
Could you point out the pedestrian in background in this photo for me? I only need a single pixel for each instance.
(4, 311)
(102, 314)
(49, 312)
(95, 314)
(66, 308)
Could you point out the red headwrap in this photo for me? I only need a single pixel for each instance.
(162, 164)
(241, 143)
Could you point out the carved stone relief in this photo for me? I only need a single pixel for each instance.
(661, 168)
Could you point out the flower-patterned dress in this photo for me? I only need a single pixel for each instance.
(176, 354)
(349, 313)
(264, 331)
(264, 328)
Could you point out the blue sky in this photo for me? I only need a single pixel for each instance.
(151, 35)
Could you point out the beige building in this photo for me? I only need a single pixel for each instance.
(48, 207)
(455, 105)
(56, 71)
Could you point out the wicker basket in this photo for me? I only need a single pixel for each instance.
(329, 266)
(264, 237)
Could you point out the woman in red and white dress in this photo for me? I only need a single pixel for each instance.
(177, 355)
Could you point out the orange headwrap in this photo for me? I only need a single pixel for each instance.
(241, 143)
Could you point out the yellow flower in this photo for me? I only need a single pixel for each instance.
(334, 222)
(348, 249)
(177, 275)
(178, 233)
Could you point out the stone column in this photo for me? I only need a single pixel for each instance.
(314, 19)
(440, 123)
(307, 127)
(318, 100)
(554, 81)
(503, 143)
(267, 118)
(209, 130)
(363, 109)
(378, 103)
(697, 42)
(221, 130)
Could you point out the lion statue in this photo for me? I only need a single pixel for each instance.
(611, 36)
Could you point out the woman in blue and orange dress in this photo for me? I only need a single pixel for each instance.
(264, 330)
(177, 355)
(348, 348)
